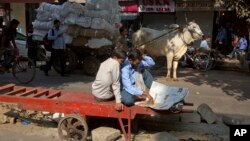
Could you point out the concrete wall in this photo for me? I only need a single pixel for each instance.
(203, 18)
(18, 12)
(157, 21)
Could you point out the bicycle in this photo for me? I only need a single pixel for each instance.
(23, 69)
(198, 60)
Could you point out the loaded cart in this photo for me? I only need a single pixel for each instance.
(91, 31)
(76, 106)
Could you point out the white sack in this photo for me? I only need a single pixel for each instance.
(42, 25)
(84, 21)
(76, 1)
(71, 19)
(98, 23)
(49, 7)
(74, 8)
(39, 32)
(97, 43)
(43, 16)
(103, 5)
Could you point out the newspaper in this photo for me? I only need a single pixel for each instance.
(165, 96)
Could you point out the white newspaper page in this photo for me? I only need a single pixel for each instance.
(166, 96)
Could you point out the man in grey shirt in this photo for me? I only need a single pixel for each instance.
(107, 83)
(58, 47)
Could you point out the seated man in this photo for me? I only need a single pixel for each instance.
(204, 44)
(107, 83)
(240, 48)
(135, 77)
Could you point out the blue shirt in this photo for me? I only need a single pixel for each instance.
(128, 75)
(57, 37)
(242, 45)
(204, 44)
(222, 35)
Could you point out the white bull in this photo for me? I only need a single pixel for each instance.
(172, 45)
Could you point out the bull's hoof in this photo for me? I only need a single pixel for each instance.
(168, 79)
(175, 79)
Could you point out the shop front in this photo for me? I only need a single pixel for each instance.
(129, 14)
(202, 12)
(157, 14)
(22, 10)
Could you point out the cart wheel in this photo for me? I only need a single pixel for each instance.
(177, 108)
(90, 65)
(71, 62)
(73, 128)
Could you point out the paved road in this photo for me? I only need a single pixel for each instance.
(226, 92)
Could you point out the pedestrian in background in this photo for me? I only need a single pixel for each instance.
(221, 40)
(8, 44)
(31, 45)
(121, 42)
(58, 48)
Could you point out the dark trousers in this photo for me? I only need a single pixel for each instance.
(57, 55)
(32, 54)
(129, 99)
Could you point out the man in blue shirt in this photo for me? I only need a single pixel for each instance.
(241, 48)
(133, 69)
(204, 43)
(58, 47)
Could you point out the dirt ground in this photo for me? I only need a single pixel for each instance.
(226, 92)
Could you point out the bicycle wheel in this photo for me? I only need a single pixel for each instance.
(23, 70)
(213, 60)
(202, 62)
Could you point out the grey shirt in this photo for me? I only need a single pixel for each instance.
(107, 82)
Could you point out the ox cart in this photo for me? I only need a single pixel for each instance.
(76, 106)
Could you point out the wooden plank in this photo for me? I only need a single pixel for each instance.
(9, 86)
(45, 92)
(14, 92)
(29, 92)
(53, 95)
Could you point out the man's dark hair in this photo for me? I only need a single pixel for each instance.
(122, 29)
(119, 54)
(135, 54)
(56, 21)
(14, 22)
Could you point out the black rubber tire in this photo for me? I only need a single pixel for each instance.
(202, 61)
(24, 70)
(71, 62)
(90, 65)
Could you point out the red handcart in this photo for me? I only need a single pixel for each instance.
(76, 106)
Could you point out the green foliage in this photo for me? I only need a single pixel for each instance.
(242, 7)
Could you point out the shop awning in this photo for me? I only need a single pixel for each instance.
(27, 1)
(128, 16)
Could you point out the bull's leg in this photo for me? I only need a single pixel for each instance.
(169, 65)
(175, 65)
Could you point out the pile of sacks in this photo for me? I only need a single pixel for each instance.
(94, 25)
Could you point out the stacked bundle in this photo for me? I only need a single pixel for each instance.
(94, 24)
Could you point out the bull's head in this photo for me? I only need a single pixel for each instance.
(195, 30)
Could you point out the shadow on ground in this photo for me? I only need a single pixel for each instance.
(232, 83)
(54, 80)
